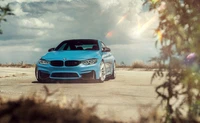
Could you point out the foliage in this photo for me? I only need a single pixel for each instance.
(178, 34)
(37, 110)
(4, 11)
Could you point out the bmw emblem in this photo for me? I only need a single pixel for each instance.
(64, 59)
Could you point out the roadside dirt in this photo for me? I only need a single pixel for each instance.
(117, 99)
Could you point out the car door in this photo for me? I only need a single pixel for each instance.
(107, 57)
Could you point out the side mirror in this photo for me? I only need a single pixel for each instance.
(106, 49)
(51, 49)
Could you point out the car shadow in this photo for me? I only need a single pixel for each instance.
(69, 82)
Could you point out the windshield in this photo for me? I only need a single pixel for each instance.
(85, 44)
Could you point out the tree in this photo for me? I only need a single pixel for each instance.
(179, 35)
(4, 11)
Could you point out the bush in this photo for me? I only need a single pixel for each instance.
(38, 110)
(147, 66)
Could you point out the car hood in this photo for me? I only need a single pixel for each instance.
(71, 55)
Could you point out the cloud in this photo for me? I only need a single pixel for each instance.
(128, 53)
(17, 10)
(41, 24)
(16, 48)
(35, 23)
(105, 5)
(21, 1)
(66, 18)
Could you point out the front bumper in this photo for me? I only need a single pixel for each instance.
(68, 72)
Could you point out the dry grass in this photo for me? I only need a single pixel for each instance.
(135, 64)
(19, 65)
(38, 110)
(122, 66)
(31, 110)
(140, 64)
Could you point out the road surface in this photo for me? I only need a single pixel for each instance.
(117, 99)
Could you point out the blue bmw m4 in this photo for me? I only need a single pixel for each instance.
(86, 59)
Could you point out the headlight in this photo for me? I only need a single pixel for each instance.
(89, 61)
(42, 61)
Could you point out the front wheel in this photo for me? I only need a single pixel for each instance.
(37, 75)
(102, 72)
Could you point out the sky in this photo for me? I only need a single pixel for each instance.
(126, 26)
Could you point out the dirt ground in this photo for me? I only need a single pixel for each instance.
(117, 99)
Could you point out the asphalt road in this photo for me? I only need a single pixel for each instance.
(117, 99)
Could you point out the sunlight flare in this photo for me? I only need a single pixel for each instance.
(122, 19)
(141, 28)
(159, 35)
(109, 34)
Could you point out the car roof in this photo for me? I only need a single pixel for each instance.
(80, 40)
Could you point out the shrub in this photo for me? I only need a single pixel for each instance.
(38, 110)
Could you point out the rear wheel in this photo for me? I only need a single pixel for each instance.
(102, 73)
(113, 75)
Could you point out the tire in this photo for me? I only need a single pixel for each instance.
(37, 75)
(113, 75)
(102, 73)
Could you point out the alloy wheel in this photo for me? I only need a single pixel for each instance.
(102, 76)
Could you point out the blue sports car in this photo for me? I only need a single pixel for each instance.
(86, 59)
